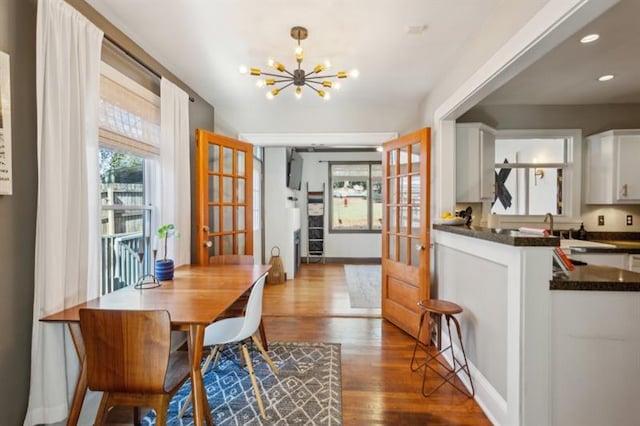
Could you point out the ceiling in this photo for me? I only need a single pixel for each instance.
(204, 42)
(568, 75)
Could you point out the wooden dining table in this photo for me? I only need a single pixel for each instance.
(194, 299)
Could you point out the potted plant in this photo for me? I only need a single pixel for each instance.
(164, 267)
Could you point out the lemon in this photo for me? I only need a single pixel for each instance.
(446, 215)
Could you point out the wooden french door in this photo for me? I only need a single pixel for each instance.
(405, 229)
(224, 196)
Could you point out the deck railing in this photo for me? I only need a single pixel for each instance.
(121, 265)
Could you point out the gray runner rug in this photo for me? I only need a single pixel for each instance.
(363, 283)
(308, 390)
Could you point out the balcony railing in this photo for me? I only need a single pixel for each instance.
(121, 264)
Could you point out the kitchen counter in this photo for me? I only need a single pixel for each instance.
(621, 246)
(502, 236)
(596, 278)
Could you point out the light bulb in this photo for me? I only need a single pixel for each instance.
(299, 53)
(243, 69)
(298, 92)
(260, 83)
(321, 93)
(327, 96)
(606, 77)
(354, 73)
(327, 64)
(337, 85)
(589, 38)
(269, 95)
(271, 62)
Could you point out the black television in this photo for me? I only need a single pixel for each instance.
(294, 171)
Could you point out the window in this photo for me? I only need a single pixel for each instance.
(356, 197)
(536, 173)
(129, 134)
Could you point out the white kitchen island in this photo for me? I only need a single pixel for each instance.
(518, 323)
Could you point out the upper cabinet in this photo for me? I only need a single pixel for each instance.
(475, 162)
(612, 172)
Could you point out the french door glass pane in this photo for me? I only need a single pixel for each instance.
(240, 189)
(415, 157)
(241, 242)
(227, 244)
(415, 253)
(214, 157)
(227, 160)
(402, 249)
(214, 188)
(240, 219)
(240, 163)
(214, 219)
(227, 194)
(227, 218)
(415, 189)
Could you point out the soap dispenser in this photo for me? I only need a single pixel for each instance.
(582, 233)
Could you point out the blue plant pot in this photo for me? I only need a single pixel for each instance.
(164, 269)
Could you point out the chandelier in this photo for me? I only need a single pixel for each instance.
(313, 79)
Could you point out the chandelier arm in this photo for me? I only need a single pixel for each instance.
(277, 75)
(307, 84)
(285, 86)
(314, 82)
(321, 76)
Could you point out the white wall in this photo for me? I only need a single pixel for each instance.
(315, 173)
(281, 217)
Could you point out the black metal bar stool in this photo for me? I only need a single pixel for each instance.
(437, 309)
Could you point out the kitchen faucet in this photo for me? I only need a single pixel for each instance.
(550, 217)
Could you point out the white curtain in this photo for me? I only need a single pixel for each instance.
(175, 177)
(67, 226)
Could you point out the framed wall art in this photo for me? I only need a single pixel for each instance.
(6, 184)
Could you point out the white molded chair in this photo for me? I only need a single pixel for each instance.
(238, 330)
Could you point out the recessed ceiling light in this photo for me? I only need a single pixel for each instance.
(589, 38)
(416, 29)
(606, 77)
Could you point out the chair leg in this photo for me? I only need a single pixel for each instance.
(254, 381)
(136, 416)
(465, 367)
(214, 354)
(101, 415)
(263, 335)
(161, 412)
(265, 355)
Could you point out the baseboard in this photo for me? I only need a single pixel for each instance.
(348, 260)
(492, 403)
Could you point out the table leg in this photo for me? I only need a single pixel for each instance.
(201, 408)
(81, 385)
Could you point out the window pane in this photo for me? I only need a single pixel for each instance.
(227, 244)
(544, 191)
(214, 188)
(240, 190)
(240, 163)
(530, 150)
(214, 219)
(214, 157)
(350, 196)
(125, 233)
(227, 190)
(241, 243)
(227, 160)
(227, 219)
(240, 219)
(415, 252)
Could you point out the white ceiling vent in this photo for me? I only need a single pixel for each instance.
(416, 29)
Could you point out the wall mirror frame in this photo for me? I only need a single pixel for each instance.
(6, 183)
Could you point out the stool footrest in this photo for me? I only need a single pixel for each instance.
(451, 371)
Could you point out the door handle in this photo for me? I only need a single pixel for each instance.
(420, 247)
(205, 228)
(207, 243)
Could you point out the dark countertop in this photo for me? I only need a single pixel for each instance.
(597, 278)
(621, 246)
(503, 236)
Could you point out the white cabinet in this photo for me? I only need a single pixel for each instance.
(612, 172)
(475, 162)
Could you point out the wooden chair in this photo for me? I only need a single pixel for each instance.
(237, 309)
(129, 359)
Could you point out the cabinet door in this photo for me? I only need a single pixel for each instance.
(487, 165)
(628, 172)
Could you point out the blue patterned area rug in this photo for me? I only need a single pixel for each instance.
(308, 390)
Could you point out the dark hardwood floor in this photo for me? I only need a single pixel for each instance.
(378, 387)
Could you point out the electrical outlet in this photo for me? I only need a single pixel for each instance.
(601, 220)
(629, 220)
